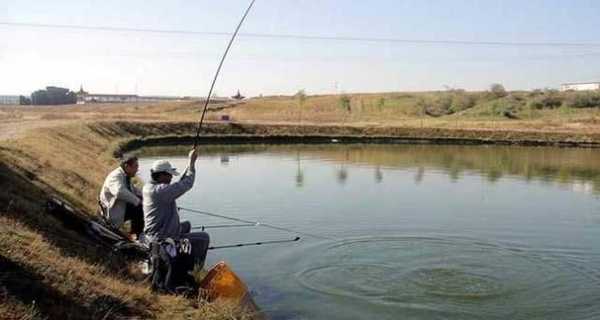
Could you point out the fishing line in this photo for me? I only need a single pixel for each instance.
(256, 223)
(224, 226)
(217, 73)
(253, 243)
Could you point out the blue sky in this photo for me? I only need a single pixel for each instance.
(184, 64)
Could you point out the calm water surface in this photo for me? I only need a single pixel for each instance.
(412, 232)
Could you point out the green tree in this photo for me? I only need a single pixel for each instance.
(344, 102)
(497, 90)
(24, 100)
(301, 98)
(381, 103)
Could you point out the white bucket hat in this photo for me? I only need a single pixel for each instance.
(163, 166)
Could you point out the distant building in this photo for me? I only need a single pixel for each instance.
(581, 86)
(81, 95)
(84, 97)
(238, 96)
(107, 98)
(53, 96)
(160, 98)
(10, 99)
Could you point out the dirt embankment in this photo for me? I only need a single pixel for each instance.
(183, 133)
(49, 271)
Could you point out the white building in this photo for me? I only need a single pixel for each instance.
(106, 98)
(582, 86)
(10, 99)
(84, 97)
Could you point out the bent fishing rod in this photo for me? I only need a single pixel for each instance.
(217, 73)
(207, 101)
(254, 223)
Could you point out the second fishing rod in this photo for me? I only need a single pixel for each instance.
(249, 223)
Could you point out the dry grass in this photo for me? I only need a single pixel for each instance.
(39, 280)
(54, 277)
(366, 110)
(402, 110)
(53, 272)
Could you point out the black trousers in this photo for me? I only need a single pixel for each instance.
(171, 272)
(200, 242)
(135, 214)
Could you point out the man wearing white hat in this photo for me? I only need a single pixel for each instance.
(161, 216)
(160, 210)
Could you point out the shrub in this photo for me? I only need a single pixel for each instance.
(380, 103)
(461, 101)
(301, 97)
(448, 102)
(535, 93)
(344, 102)
(436, 106)
(507, 107)
(589, 99)
(549, 99)
(497, 90)
(24, 100)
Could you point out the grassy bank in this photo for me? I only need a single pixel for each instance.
(532, 110)
(49, 271)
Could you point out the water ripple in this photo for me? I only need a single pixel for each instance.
(452, 275)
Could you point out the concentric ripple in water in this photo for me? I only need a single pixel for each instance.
(451, 276)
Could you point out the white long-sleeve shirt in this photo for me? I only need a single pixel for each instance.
(116, 194)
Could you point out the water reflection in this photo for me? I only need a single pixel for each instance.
(299, 171)
(342, 172)
(342, 175)
(575, 167)
(378, 174)
(225, 159)
(419, 175)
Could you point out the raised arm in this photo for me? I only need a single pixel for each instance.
(175, 190)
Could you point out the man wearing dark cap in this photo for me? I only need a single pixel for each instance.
(120, 200)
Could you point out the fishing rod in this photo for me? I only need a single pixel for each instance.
(224, 226)
(200, 127)
(256, 223)
(253, 244)
(217, 73)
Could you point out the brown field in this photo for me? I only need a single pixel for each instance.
(51, 272)
(398, 110)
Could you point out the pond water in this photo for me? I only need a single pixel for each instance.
(405, 231)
